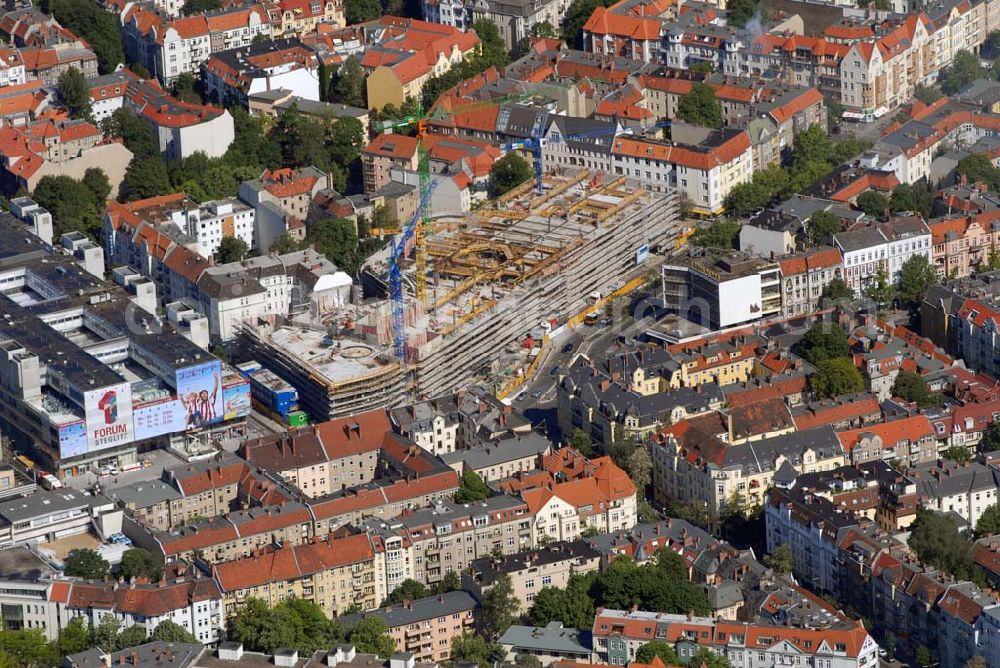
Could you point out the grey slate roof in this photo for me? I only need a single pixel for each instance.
(419, 610)
(552, 639)
(496, 452)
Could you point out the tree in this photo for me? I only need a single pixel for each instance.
(494, 49)
(26, 648)
(926, 94)
(408, 590)
(580, 441)
(74, 638)
(914, 276)
(145, 177)
(576, 16)
(936, 540)
(780, 560)
(812, 145)
(72, 203)
(133, 636)
(911, 386)
(835, 377)
(923, 656)
(301, 139)
(168, 631)
(136, 134)
(344, 141)
(571, 606)
(977, 167)
(991, 439)
(199, 6)
(836, 290)
(700, 106)
(86, 563)
(915, 197)
(499, 608)
(822, 224)
(450, 582)
(349, 86)
(657, 648)
(474, 648)
(509, 172)
(97, 26)
(873, 203)
(185, 88)
(137, 563)
(97, 182)
(359, 11)
(105, 634)
(231, 249)
(284, 243)
(965, 69)
(337, 239)
(740, 12)
(958, 454)
(75, 93)
(706, 658)
(823, 341)
(543, 29)
(371, 636)
(880, 290)
(471, 488)
(720, 234)
(639, 467)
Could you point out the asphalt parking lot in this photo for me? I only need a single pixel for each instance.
(159, 459)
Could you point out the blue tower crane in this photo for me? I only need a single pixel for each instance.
(396, 273)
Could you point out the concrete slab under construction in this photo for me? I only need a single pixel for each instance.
(495, 273)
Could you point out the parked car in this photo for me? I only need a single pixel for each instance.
(568, 348)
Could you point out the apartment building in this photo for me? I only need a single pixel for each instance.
(693, 465)
(171, 47)
(500, 458)
(281, 199)
(906, 237)
(426, 543)
(233, 76)
(426, 627)
(864, 253)
(325, 458)
(948, 487)
(618, 634)
(605, 501)
(402, 54)
(336, 573)
(12, 70)
(625, 396)
(514, 19)
(297, 17)
(910, 438)
(188, 599)
(531, 570)
(961, 244)
(30, 588)
(385, 153)
(805, 276)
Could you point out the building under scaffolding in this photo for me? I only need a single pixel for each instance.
(335, 375)
(494, 274)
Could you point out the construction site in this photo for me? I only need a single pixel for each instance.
(491, 277)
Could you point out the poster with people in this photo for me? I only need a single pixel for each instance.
(199, 391)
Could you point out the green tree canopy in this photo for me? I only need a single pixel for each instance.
(780, 560)
(73, 205)
(571, 606)
(915, 275)
(823, 341)
(138, 563)
(822, 224)
(199, 6)
(576, 17)
(989, 522)
(86, 563)
(911, 386)
(97, 182)
(880, 290)
(168, 631)
(977, 167)
(499, 608)
(337, 239)
(359, 11)
(741, 11)
(835, 377)
(509, 172)
(720, 234)
(657, 648)
(469, 648)
(964, 69)
(926, 94)
(74, 638)
(231, 249)
(26, 648)
(991, 439)
(145, 177)
(135, 133)
(936, 540)
(408, 590)
(700, 106)
(91, 22)
(349, 83)
(836, 290)
(873, 203)
(75, 93)
(915, 197)
(371, 636)
(133, 636)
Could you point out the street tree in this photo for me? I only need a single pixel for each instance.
(915, 275)
(835, 377)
